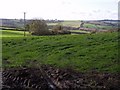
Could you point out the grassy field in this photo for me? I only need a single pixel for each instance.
(76, 24)
(79, 52)
(12, 33)
(69, 23)
(88, 25)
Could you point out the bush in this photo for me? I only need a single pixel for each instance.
(38, 27)
(58, 29)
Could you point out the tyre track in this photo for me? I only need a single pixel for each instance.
(27, 79)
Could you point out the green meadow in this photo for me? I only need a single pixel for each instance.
(12, 33)
(84, 52)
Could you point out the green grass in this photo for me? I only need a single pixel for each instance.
(86, 25)
(79, 52)
(12, 33)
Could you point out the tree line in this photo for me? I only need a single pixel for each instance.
(40, 27)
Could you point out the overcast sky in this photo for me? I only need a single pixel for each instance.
(60, 9)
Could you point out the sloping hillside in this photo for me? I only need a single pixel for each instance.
(79, 52)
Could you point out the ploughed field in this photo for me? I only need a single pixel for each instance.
(51, 78)
(62, 61)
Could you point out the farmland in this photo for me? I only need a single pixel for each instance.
(79, 52)
(12, 33)
(78, 60)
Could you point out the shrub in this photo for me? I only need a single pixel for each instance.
(59, 29)
(38, 27)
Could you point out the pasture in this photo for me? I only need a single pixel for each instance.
(69, 23)
(85, 52)
(12, 33)
(76, 24)
(88, 25)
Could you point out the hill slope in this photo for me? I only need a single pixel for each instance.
(79, 52)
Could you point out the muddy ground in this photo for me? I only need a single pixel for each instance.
(50, 78)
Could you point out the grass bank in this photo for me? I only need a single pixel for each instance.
(79, 52)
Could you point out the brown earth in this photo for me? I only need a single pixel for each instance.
(51, 78)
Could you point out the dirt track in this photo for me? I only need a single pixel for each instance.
(50, 78)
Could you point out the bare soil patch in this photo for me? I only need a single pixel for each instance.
(51, 78)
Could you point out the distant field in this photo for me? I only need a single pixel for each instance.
(69, 23)
(1, 27)
(79, 52)
(76, 24)
(78, 31)
(52, 24)
(86, 25)
(72, 23)
(11, 33)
